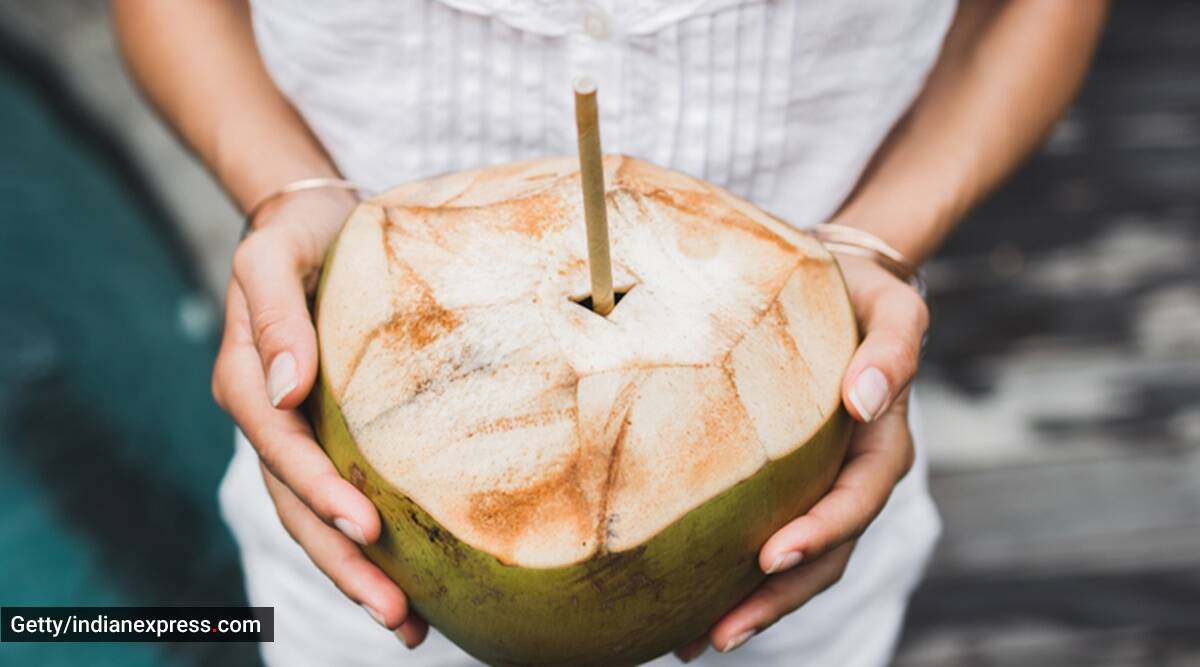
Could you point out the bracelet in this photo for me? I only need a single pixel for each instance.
(853, 241)
(318, 183)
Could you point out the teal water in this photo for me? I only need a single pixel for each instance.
(111, 448)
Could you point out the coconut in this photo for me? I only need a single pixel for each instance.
(562, 488)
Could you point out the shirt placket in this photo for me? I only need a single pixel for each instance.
(594, 50)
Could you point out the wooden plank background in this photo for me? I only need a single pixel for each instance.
(1062, 382)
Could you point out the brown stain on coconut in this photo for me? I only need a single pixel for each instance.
(415, 328)
(534, 214)
(507, 514)
(701, 210)
(620, 410)
(574, 265)
(722, 420)
(696, 199)
(782, 332)
(530, 420)
(415, 324)
(421, 325)
(537, 215)
(358, 478)
(407, 330)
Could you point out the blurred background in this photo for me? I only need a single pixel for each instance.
(1061, 384)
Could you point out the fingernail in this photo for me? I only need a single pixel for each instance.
(281, 377)
(785, 561)
(374, 614)
(869, 393)
(737, 641)
(350, 529)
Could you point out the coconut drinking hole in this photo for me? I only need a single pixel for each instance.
(618, 294)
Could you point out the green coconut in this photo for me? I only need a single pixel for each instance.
(562, 488)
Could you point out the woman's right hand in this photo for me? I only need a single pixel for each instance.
(266, 367)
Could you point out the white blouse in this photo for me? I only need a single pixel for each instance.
(782, 102)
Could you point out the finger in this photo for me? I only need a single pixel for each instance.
(779, 595)
(414, 630)
(236, 326)
(894, 319)
(693, 649)
(340, 559)
(270, 266)
(235, 334)
(880, 454)
(283, 439)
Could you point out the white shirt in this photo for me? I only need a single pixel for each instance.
(782, 102)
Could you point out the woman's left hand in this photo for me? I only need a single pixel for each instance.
(810, 554)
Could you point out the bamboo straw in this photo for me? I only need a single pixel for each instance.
(591, 173)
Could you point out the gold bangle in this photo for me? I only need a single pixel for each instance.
(318, 183)
(853, 241)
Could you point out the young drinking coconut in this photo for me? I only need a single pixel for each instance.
(890, 117)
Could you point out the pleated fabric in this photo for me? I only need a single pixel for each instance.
(783, 102)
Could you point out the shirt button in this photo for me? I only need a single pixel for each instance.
(595, 24)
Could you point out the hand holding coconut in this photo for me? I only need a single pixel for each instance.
(810, 554)
(266, 367)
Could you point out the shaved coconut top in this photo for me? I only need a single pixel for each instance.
(529, 426)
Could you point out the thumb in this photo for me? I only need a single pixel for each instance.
(270, 266)
(894, 319)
